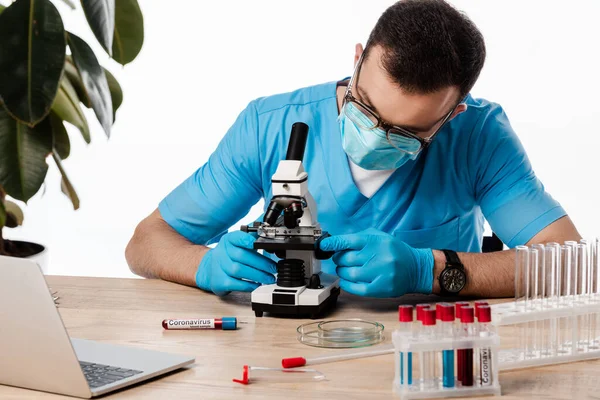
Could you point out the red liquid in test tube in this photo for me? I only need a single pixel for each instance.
(467, 317)
(460, 354)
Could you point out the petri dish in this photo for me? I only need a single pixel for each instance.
(345, 333)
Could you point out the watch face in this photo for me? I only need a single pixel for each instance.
(453, 280)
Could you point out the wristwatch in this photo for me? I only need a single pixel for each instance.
(453, 278)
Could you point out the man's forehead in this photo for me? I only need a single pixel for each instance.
(396, 105)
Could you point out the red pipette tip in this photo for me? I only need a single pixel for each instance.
(405, 313)
(293, 362)
(245, 377)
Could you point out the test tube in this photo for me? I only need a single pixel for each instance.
(405, 315)
(447, 330)
(573, 274)
(582, 294)
(421, 308)
(566, 261)
(521, 276)
(537, 274)
(589, 278)
(467, 317)
(582, 264)
(428, 333)
(550, 290)
(549, 346)
(460, 354)
(478, 304)
(595, 267)
(485, 329)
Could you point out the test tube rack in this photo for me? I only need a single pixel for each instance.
(554, 318)
(406, 346)
(548, 334)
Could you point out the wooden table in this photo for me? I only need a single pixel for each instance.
(130, 311)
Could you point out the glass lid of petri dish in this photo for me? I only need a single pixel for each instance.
(345, 333)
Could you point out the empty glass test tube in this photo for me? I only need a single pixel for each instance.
(550, 290)
(550, 345)
(521, 276)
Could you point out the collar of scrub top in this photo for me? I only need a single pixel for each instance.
(389, 128)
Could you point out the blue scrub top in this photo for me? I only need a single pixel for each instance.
(475, 168)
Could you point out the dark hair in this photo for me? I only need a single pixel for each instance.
(429, 45)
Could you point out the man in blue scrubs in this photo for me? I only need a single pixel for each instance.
(402, 162)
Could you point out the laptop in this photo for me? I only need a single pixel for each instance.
(36, 352)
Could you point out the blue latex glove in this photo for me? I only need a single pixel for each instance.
(376, 264)
(233, 265)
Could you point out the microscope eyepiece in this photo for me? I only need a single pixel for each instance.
(297, 143)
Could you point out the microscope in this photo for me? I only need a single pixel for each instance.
(290, 231)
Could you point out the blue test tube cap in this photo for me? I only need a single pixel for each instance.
(229, 323)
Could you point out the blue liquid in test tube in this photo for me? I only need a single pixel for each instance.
(405, 314)
(409, 363)
(448, 365)
(447, 328)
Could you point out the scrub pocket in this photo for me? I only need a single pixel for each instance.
(439, 237)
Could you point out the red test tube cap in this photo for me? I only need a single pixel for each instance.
(420, 308)
(458, 305)
(484, 314)
(405, 313)
(467, 314)
(438, 310)
(447, 313)
(429, 317)
(477, 304)
(480, 303)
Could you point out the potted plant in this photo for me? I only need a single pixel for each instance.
(46, 75)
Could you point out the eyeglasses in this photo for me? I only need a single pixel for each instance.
(366, 118)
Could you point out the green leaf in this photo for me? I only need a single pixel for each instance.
(100, 15)
(60, 138)
(14, 215)
(116, 93)
(75, 79)
(129, 31)
(66, 107)
(32, 56)
(23, 152)
(94, 80)
(66, 186)
(69, 3)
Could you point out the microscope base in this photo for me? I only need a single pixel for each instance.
(312, 311)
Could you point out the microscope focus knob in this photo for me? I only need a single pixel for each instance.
(322, 254)
(314, 282)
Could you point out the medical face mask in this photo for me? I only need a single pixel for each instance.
(370, 149)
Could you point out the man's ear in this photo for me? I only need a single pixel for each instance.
(461, 108)
(358, 50)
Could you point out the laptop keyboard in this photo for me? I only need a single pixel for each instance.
(99, 374)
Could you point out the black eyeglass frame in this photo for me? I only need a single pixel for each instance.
(390, 129)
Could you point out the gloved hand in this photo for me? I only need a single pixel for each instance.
(233, 259)
(376, 264)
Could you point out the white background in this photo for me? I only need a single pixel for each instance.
(203, 61)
